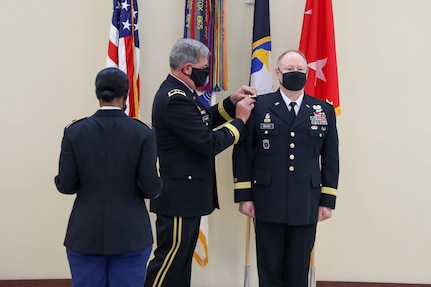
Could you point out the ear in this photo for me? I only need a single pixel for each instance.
(277, 72)
(187, 68)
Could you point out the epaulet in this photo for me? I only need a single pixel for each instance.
(75, 121)
(176, 92)
(144, 122)
(329, 102)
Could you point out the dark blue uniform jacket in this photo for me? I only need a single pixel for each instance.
(109, 161)
(187, 146)
(288, 168)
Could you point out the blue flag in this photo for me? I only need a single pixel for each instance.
(261, 64)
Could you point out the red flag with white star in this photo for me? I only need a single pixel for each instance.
(318, 45)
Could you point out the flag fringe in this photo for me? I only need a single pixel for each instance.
(203, 241)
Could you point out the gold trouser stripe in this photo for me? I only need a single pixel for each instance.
(234, 131)
(223, 112)
(242, 185)
(176, 242)
(329, 190)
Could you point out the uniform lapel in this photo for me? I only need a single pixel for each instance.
(278, 108)
(304, 112)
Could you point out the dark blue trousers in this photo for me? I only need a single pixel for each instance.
(283, 254)
(125, 269)
(172, 262)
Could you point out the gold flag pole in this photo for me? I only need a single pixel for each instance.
(247, 254)
(312, 282)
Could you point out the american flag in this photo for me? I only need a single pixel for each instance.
(123, 49)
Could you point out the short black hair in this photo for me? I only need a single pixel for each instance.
(111, 83)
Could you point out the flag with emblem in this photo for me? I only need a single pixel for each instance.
(261, 64)
(318, 45)
(123, 48)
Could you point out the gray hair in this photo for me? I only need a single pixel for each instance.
(187, 50)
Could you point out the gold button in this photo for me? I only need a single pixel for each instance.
(292, 145)
(320, 135)
(292, 157)
(266, 132)
(292, 134)
(291, 168)
(254, 181)
(189, 177)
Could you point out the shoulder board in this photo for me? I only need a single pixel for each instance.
(75, 121)
(329, 102)
(144, 122)
(176, 92)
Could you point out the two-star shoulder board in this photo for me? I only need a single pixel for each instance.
(144, 122)
(75, 121)
(176, 92)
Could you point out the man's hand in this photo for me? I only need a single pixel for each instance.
(324, 213)
(247, 208)
(243, 92)
(243, 109)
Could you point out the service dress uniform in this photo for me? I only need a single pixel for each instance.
(186, 146)
(109, 161)
(287, 167)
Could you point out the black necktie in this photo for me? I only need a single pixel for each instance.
(292, 109)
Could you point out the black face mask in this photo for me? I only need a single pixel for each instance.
(199, 76)
(294, 81)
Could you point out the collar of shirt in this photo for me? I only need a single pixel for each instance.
(109, 108)
(287, 101)
(191, 90)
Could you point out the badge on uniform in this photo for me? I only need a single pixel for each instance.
(265, 144)
(267, 125)
(319, 117)
(176, 92)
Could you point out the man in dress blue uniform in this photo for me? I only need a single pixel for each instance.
(286, 174)
(109, 161)
(187, 146)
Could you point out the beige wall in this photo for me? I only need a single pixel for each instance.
(51, 51)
